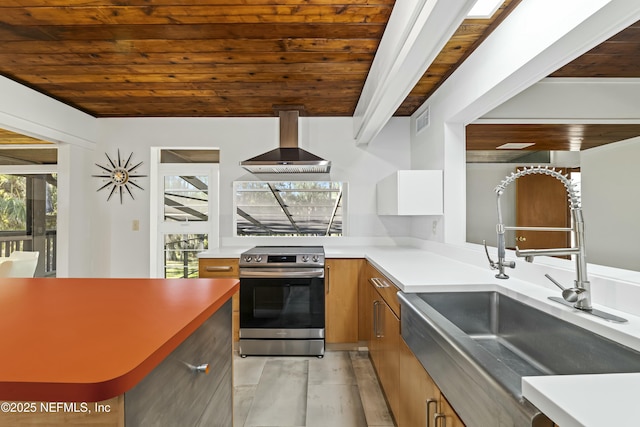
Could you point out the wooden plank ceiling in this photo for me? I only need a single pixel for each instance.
(546, 137)
(226, 58)
(13, 138)
(617, 57)
(133, 58)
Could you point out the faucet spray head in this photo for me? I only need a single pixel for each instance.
(569, 185)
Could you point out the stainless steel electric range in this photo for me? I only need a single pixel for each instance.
(282, 301)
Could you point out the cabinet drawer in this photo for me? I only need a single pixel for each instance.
(218, 267)
(385, 287)
(174, 395)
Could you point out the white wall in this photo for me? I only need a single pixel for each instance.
(482, 213)
(75, 213)
(567, 100)
(31, 113)
(515, 56)
(609, 174)
(122, 252)
(611, 205)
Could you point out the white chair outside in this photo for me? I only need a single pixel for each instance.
(5, 267)
(19, 264)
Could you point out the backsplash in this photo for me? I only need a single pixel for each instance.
(611, 287)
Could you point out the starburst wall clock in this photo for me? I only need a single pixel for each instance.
(119, 176)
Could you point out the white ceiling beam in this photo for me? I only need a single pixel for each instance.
(416, 32)
(31, 113)
(520, 52)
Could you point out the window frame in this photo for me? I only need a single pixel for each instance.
(343, 206)
(158, 227)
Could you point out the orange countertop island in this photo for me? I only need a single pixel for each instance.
(71, 340)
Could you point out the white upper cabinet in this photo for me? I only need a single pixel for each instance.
(411, 192)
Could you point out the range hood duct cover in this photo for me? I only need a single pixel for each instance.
(288, 158)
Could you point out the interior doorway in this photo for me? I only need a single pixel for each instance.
(541, 201)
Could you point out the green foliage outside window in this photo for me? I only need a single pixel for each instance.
(13, 206)
(13, 202)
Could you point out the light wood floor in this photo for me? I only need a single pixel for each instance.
(340, 390)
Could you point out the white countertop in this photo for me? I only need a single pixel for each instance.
(569, 400)
(586, 400)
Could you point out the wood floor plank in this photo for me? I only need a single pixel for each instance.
(336, 405)
(242, 401)
(373, 402)
(247, 370)
(334, 368)
(281, 395)
(339, 390)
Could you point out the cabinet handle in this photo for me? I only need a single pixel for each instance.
(441, 417)
(218, 268)
(379, 283)
(328, 278)
(380, 322)
(429, 402)
(198, 369)
(376, 320)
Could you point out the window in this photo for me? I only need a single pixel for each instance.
(184, 207)
(29, 204)
(289, 208)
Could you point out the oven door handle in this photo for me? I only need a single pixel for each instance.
(281, 272)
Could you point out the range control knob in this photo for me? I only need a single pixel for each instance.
(248, 258)
(259, 258)
(305, 258)
(315, 258)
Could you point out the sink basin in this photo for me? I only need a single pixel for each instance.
(530, 341)
(485, 342)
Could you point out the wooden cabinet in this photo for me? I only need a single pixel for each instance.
(172, 394)
(421, 402)
(416, 389)
(219, 268)
(341, 300)
(448, 414)
(388, 363)
(413, 397)
(380, 322)
(175, 394)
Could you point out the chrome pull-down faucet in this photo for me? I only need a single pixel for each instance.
(579, 296)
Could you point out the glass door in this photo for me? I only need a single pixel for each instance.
(186, 213)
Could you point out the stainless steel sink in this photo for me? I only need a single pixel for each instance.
(477, 346)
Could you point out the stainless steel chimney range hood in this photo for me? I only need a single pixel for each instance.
(289, 158)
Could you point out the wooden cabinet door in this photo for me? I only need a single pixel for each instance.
(389, 341)
(417, 390)
(224, 268)
(447, 413)
(379, 326)
(173, 395)
(374, 343)
(341, 300)
(541, 201)
(365, 306)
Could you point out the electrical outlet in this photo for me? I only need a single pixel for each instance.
(136, 225)
(434, 226)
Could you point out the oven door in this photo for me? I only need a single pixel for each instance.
(282, 307)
